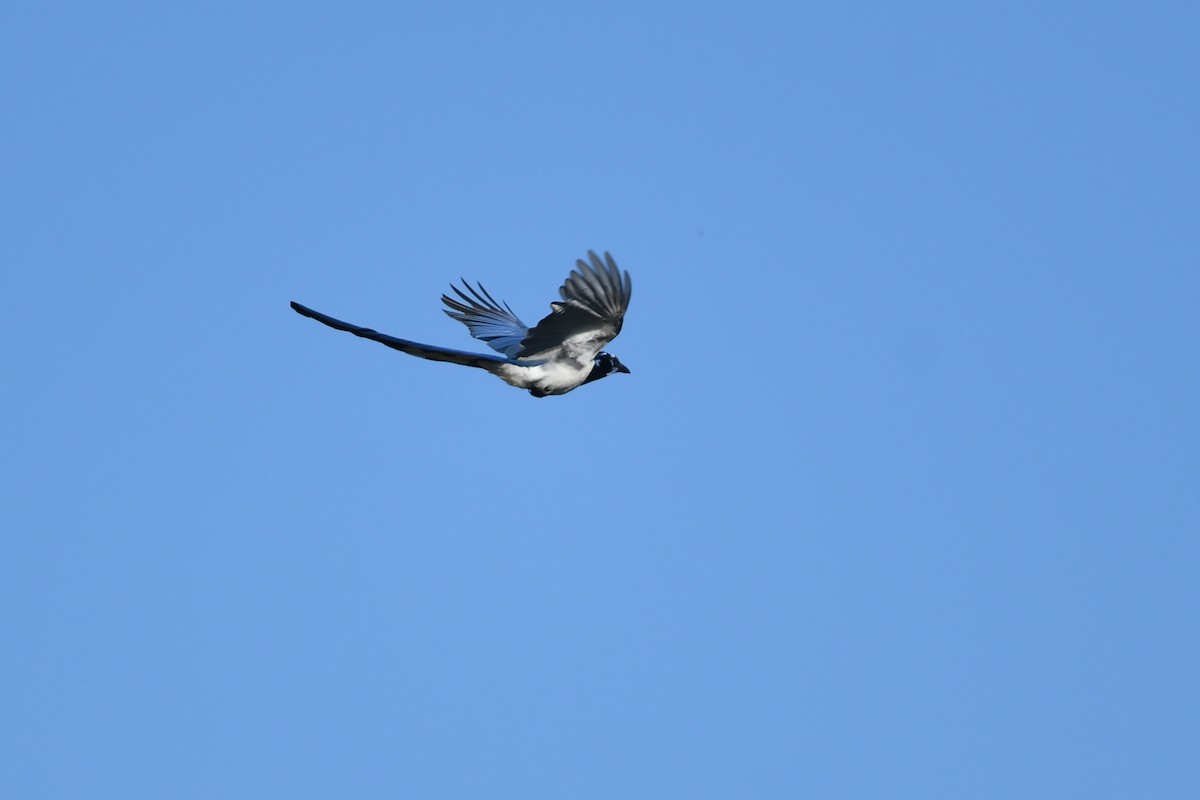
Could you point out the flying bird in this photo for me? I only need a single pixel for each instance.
(560, 353)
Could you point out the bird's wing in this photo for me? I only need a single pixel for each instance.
(487, 320)
(481, 360)
(595, 297)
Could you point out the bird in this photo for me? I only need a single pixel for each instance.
(561, 353)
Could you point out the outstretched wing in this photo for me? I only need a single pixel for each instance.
(486, 319)
(595, 297)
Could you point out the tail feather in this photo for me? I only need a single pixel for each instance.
(480, 360)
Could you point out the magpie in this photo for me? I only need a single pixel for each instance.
(560, 353)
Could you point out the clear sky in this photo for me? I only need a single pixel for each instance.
(900, 499)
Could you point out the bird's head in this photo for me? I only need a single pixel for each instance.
(610, 364)
(606, 364)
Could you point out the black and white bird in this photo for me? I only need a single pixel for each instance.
(560, 353)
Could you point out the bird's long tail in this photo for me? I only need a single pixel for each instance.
(480, 360)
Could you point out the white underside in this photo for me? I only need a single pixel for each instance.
(548, 377)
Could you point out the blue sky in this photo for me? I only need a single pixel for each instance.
(899, 500)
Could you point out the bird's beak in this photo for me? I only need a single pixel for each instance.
(622, 368)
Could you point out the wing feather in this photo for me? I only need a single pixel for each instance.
(487, 319)
(595, 297)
